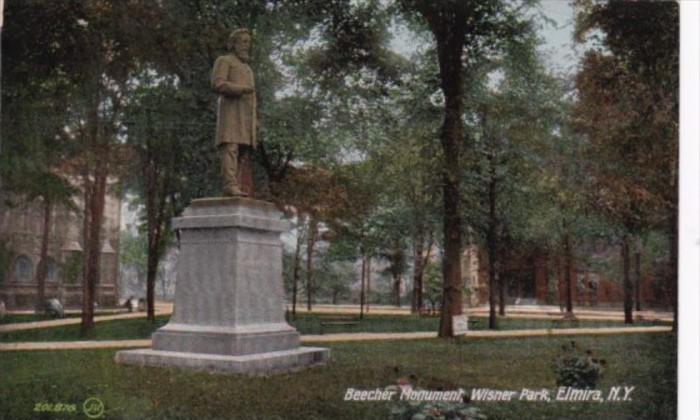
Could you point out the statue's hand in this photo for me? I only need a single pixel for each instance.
(229, 89)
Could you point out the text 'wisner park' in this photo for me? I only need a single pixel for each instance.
(561, 394)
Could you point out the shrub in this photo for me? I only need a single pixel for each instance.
(576, 369)
(433, 410)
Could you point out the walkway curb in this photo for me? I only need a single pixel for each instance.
(23, 326)
(349, 337)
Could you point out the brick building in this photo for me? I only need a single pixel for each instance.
(537, 277)
(21, 226)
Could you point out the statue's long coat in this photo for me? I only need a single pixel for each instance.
(236, 119)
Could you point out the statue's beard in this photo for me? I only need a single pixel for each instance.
(244, 56)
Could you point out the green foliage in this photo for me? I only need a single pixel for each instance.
(72, 268)
(333, 279)
(628, 109)
(336, 103)
(433, 284)
(355, 38)
(434, 410)
(576, 369)
(133, 251)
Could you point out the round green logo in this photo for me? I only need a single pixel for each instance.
(93, 407)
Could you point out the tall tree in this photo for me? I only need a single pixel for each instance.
(30, 165)
(88, 50)
(514, 101)
(159, 163)
(629, 110)
(463, 33)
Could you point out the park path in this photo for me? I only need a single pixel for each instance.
(23, 326)
(350, 337)
(513, 312)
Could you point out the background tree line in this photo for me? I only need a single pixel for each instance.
(468, 139)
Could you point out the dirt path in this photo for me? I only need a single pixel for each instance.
(22, 326)
(513, 312)
(348, 337)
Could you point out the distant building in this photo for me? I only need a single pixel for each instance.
(20, 246)
(535, 276)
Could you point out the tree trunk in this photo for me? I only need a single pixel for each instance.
(449, 33)
(416, 301)
(152, 270)
(368, 279)
(626, 279)
(310, 242)
(557, 278)
(492, 243)
(86, 321)
(567, 275)
(673, 261)
(42, 270)
(493, 323)
(295, 272)
(397, 290)
(362, 287)
(638, 279)
(154, 232)
(672, 226)
(95, 184)
(95, 201)
(500, 280)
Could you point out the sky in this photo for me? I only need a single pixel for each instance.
(559, 48)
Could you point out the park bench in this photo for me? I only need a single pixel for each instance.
(338, 321)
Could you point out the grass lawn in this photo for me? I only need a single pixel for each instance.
(646, 361)
(124, 329)
(305, 324)
(13, 319)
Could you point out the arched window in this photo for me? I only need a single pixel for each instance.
(23, 269)
(51, 270)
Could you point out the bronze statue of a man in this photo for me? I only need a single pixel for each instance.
(236, 118)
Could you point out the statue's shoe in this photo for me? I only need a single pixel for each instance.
(234, 192)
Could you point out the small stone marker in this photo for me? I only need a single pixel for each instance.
(460, 324)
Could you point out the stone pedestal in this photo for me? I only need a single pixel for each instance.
(229, 297)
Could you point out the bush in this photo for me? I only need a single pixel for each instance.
(432, 410)
(435, 410)
(578, 370)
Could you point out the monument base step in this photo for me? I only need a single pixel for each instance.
(222, 341)
(273, 362)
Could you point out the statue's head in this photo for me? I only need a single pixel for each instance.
(239, 43)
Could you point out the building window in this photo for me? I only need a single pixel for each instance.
(51, 270)
(23, 269)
